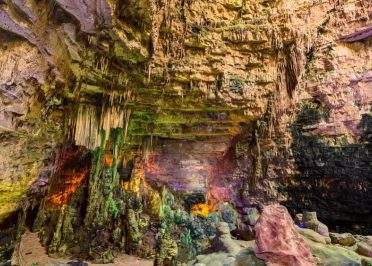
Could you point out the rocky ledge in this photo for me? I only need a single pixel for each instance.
(280, 241)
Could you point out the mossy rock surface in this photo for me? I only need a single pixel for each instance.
(331, 255)
(311, 235)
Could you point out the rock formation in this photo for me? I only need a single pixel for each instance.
(278, 243)
(141, 125)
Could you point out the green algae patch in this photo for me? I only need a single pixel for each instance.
(11, 192)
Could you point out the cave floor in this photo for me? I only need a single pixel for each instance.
(31, 252)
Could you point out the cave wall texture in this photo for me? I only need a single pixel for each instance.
(250, 101)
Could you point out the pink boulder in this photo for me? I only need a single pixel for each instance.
(277, 241)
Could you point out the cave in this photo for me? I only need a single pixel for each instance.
(173, 132)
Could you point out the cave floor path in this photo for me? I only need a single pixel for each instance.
(31, 252)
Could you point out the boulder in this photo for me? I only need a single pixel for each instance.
(228, 214)
(312, 235)
(310, 220)
(223, 241)
(252, 215)
(345, 239)
(364, 249)
(278, 243)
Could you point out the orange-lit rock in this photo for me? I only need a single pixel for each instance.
(109, 160)
(73, 168)
(72, 180)
(137, 182)
(213, 198)
(203, 209)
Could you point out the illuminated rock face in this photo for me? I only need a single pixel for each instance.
(187, 165)
(243, 101)
(278, 242)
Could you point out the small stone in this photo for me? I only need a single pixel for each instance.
(345, 239)
(364, 249)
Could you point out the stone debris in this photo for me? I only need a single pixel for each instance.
(345, 239)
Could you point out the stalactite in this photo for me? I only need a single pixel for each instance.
(92, 120)
(111, 117)
(289, 74)
(257, 164)
(147, 147)
(87, 130)
(292, 69)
